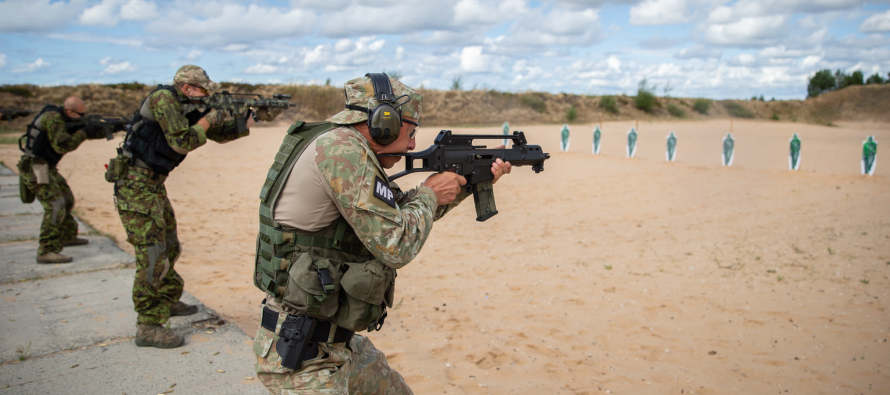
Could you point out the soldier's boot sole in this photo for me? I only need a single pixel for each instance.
(157, 336)
(53, 258)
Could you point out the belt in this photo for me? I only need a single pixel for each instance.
(141, 168)
(319, 335)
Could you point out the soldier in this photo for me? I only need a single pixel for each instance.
(165, 128)
(333, 231)
(54, 132)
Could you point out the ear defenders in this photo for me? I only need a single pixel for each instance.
(385, 120)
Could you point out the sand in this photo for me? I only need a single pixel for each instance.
(601, 274)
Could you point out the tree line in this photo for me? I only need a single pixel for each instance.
(826, 81)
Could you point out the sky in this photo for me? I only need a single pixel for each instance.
(683, 48)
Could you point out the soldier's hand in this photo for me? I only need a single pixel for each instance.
(446, 185)
(268, 114)
(499, 167)
(215, 118)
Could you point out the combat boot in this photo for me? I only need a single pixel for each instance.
(157, 336)
(77, 241)
(53, 257)
(180, 308)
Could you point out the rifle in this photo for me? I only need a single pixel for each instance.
(456, 152)
(96, 126)
(243, 105)
(7, 114)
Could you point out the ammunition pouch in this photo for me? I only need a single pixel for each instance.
(24, 167)
(116, 168)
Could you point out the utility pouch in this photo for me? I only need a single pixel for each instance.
(116, 169)
(293, 344)
(313, 285)
(25, 193)
(368, 288)
(41, 173)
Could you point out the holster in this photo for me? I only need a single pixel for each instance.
(294, 341)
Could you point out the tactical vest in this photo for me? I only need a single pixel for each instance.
(147, 142)
(35, 141)
(327, 274)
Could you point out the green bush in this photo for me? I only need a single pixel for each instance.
(775, 117)
(533, 101)
(17, 90)
(676, 111)
(571, 114)
(645, 100)
(608, 103)
(737, 110)
(702, 106)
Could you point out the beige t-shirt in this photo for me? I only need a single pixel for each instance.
(305, 202)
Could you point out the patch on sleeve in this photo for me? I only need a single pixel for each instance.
(382, 192)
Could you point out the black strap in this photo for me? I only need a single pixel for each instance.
(320, 335)
(382, 87)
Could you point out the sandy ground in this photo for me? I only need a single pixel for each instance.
(601, 274)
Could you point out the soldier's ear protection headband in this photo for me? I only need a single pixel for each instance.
(385, 120)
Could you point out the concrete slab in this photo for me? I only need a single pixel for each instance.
(18, 259)
(220, 362)
(14, 206)
(69, 328)
(73, 311)
(26, 227)
(19, 227)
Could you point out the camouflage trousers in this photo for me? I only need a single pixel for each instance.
(358, 368)
(148, 218)
(58, 226)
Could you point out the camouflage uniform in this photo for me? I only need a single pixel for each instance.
(391, 230)
(145, 211)
(58, 226)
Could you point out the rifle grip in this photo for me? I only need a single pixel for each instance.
(483, 196)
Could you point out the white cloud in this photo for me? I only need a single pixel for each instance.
(117, 68)
(614, 63)
(810, 61)
(473, 61)
(37, 15)
(659, 12)
(746, 31)
(193, 55)
(215, 24)
(92, 38)
(2, 59)
(103, 14)
(878, 23)
(37, 64)
(400, 52)
(139, 10)
(261, 68)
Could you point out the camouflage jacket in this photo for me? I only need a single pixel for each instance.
(169, 111)
(391, 224)
(53, 123)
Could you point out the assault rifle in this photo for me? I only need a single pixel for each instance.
(243, 105)
(456, 152)
(7, 114)
(97, 126)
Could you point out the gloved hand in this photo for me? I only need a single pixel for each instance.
(268, 113)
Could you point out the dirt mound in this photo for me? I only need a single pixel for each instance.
(479, 107)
